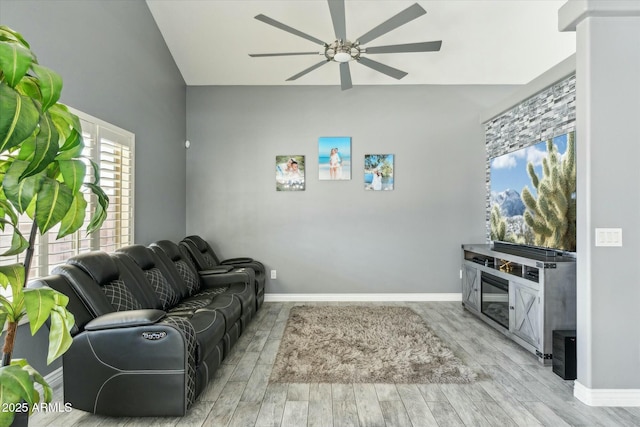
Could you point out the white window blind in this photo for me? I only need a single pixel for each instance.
(112, 149)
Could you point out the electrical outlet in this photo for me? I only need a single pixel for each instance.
(461, 273)
(273, 274)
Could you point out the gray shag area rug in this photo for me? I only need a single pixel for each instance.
(355, 344)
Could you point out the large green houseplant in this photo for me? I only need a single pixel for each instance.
(42, 175)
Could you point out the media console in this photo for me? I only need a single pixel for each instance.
(526, 295)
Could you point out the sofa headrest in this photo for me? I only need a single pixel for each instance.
(98, 265)
(140, 254)
(198, 241)
(169, 248)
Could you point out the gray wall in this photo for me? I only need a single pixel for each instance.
(335, 237)
(116, 67)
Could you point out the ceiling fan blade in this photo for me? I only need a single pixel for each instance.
(336, 7)
(308, 70)
(409, 47)
(385, 69)
(288, 29)
(260, 55)
(345, 76)
(407, 15)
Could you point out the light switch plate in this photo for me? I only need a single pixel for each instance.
(608, 236)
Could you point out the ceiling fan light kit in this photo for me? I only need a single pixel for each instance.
(340, 51)
(343, 51)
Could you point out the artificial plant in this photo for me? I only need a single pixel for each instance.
(42, 176)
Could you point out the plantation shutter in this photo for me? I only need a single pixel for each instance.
(112, 150)
(116, 179)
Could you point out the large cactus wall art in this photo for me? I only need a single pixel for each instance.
(544, 212)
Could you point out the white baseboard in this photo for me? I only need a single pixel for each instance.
(271, 297)
(606, 397)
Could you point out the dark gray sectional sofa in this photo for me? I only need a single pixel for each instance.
(151, 329)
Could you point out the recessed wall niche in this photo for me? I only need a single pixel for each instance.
(549, 113)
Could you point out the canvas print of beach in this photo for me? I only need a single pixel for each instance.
(334, 158)
(290, 173)
(378, 172)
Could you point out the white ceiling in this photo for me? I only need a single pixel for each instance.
(483, 42)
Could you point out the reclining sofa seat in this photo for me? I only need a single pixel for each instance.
(239, 281)
(136, 352)
(165, 278)
(204, 258)
(200, 307)
(126, 360)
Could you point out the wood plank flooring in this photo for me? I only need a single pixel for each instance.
(515, 390)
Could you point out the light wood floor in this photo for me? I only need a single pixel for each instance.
(518, 391)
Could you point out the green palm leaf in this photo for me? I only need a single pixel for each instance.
(15, 384)
(18, 242)
(21, 192)
(28, 86)
(7, 34)
(12, 274)
(42, 304)
(100, 213)
(60, 333)
(46, 147)
(61, 112)
(73, 173)
(46, 389)
(19, 117)
(53, 202)
(15, 61)
(38, 303)
(74, 219)
(6, 209)
(72, 146)
(50, 85)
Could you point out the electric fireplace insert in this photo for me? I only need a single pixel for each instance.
(495, 298)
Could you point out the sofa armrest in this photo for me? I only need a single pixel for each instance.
(217, 270)
(143, 370)
(217, 280)
(125, 319)
(232, 261)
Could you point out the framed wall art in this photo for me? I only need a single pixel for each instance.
(378, 172)
(290, 173)
(334, 158)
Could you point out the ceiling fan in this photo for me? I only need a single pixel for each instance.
(343, 50)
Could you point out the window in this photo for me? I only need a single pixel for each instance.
(112, 149)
